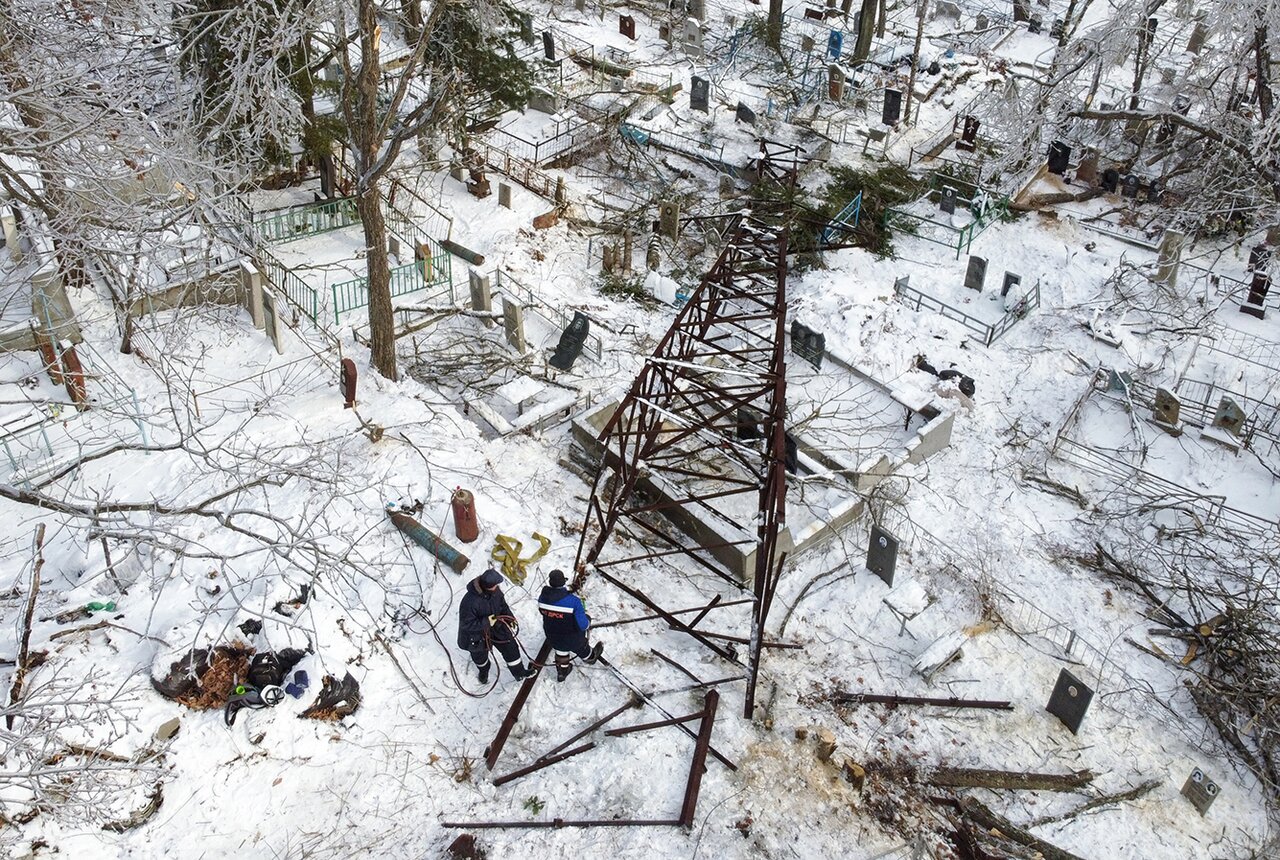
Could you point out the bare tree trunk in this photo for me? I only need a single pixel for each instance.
(382, 339)
(1263, 57)
(921, 7)
(774, 29)
(368, 139)
(866, 26)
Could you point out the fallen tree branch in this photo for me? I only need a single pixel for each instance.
(1105, 800)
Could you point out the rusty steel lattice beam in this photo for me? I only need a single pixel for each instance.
(702, 427)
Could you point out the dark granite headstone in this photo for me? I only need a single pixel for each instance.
(892, 110)
(1131, 186)
(976, 275)
(1035, 25)
(947, 202)
(699, 93)
(627, 26)
(745, 114)
(1059, 157)
(1070, 701)
(1110, 180)
(808, 344)
(548, 45)
(882, 554)
(571, 342)
(1010, 281)
(969, 135)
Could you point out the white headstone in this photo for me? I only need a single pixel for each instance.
(251, 279)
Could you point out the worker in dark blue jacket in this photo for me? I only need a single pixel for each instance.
(485, 620)
(565, 621)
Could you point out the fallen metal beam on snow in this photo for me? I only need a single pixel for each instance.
(878, 699)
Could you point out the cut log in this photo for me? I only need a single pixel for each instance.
(965, 777)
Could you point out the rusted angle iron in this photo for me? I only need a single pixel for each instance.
(494, 749)
(876, 698)
(560, 822)
(699, 765)
(671, 619)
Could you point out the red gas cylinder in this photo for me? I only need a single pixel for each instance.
(465, 525)
(348, 382)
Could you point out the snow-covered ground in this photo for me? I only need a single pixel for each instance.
(259, 483)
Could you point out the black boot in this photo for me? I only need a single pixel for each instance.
(484, 673)
(519, 671)
(594, 656)
(563, 667)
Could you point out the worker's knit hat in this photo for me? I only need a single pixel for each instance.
(556, 579)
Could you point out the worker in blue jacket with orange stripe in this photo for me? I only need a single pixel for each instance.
(565, 621)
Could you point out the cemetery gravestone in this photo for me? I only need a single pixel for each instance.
(882, 554)
(1070, 701)
(669, 219)
(1110, 180)
(835, 82)
(976, 274)
(1259, 258)
(835, 44)
(627, 26)
(946, 9)
(1087, 172)
(806, 43)
(745, 114)
(580, 5)
(982, 22)
(481, 295)
(1035, 25)
(697, 9)
(1167, 411)
(692, 35)
(812, 14)
(251, 279)
(526, 28)
(549, 46)
(504, 195)
(1198, 34)
(1170, 256)
(1255, 303)
(1059, 157)
(1056, 29)
(947, 203)
(1021, 10)
(1200, 790)
(892, 109)
(347, 382)
(808, 344)
(968, 141)
(699, 93)
(1119, 381)
(271, 321)
(513, 323)
(571, 342)
(664, 33)
(1229, 417)
(1130, 186)
(543, 100)
(1010, 281)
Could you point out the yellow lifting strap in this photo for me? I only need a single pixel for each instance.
(506, 551)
